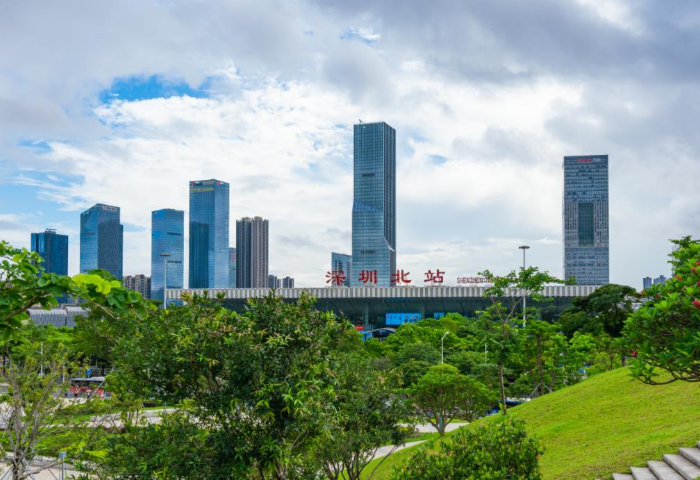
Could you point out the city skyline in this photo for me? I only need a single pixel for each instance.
(483, 121)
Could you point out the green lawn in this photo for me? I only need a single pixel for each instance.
(600, 426)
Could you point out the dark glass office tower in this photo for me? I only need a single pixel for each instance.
(232, 267)
(209, 223)
(341, 262)
(102, 240)
(374, 205)
(167, 236)
(252, 252)
(53, 248)
(585, 219)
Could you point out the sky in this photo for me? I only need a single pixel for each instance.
(125, 102)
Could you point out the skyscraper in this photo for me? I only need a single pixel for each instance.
(273, 282)
(232, 268)
(251, 253)
(209, 223)
(646, 282)
(53, 248)
(585, 219)
(374, 204)
(341, 262)
(102, 240)
(167, 236)
(139, 283)
(287, 282)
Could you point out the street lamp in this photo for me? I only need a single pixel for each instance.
(165, 279)
(524, 248)
(442, 347)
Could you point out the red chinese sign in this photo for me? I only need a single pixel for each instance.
(437, 277)
(400, 277)
(336, 277)
(368, 276)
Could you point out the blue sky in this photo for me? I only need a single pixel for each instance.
(486, 98)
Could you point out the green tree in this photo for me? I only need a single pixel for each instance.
(506, 295)
(607, 307)
(412, 371)
(665, 330)
(539, 335)
(256, 383)
(417, 351)
(443, 393)
(363, 415)
(573, 320)
(33, 407)
(489, 452)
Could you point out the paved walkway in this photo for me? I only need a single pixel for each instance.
(422, 428)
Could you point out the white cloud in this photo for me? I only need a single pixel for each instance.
(485, 106)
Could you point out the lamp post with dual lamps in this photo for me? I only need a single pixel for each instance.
(442, 348)
(165, 279)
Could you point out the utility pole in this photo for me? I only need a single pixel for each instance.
(524, 248)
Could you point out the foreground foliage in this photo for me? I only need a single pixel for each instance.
(278, 391)
(487, 452)
(665, 331)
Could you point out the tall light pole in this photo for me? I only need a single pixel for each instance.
(165, 279)
(524, 248)
(442, 348)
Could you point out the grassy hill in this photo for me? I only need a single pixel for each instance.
(601, 425)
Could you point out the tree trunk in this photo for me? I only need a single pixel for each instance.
(503, 390)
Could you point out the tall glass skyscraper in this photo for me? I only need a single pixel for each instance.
(209, 224)
(374, 205)
(167, 236)
(53, 248)
(341, 262)
(102, 240)
(585, 219)
(252, 248)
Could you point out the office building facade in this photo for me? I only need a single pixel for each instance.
(374, 204)
(209, 234)
(287, 282)
(138, 283)
(585, 219)
(273, 282)
(252, 252)
(231, 268)
(53, 248)
(167, 237)
(341, 264)
(102, 240)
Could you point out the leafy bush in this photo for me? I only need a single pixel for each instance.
(492, 452)
(665, 330)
